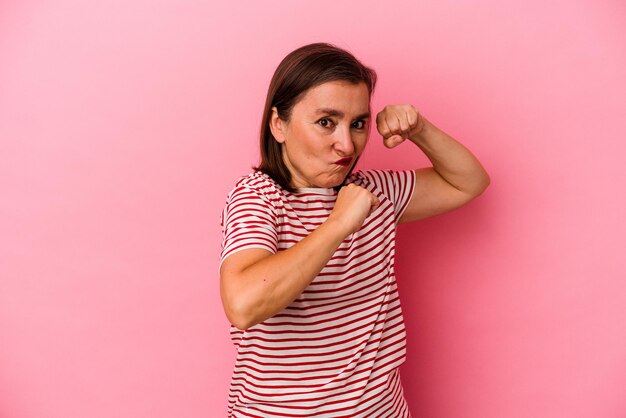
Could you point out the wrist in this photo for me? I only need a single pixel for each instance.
(422, 131)
(336, 227)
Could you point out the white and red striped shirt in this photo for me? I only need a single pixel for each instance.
(335, 350)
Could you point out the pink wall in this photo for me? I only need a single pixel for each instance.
(123, 124)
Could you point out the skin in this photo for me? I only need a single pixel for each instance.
(456, 176)
(313, 140)
(256, 284)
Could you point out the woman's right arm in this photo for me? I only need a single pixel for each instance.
(256, 284)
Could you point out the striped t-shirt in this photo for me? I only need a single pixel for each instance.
(335, 350)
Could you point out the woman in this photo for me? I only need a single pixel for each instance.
(306, 269)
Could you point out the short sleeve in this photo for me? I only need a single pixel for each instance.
(248, 220)
(398, 186)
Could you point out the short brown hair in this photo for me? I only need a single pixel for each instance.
(304, 68)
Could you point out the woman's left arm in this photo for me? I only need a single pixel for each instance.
(456, 176)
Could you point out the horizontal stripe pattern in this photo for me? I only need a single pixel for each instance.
(336, 349)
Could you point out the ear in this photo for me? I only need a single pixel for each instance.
(277, 126)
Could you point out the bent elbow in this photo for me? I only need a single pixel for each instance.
(477, 189)
(482, 185)
(486, 182)
(241, 325)
(242, 320)
(238, 315)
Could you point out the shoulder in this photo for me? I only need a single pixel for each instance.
(382, 177)
(368, 174)
(373, 178)
(391, 183)
(258, 185)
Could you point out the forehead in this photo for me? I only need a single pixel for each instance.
(343, 96)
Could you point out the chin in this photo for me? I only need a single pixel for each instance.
(336, 182)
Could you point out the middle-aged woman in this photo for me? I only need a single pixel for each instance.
(307, 263)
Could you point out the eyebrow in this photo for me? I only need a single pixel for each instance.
(335, 112)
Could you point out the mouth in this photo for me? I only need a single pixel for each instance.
(344, 162)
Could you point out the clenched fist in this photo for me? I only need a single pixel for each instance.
(397, 123)
(354, 204)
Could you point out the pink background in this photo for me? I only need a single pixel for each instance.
(123, 125)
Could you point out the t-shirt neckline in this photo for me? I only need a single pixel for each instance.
(315, 190)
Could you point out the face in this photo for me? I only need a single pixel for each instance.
(329, 124)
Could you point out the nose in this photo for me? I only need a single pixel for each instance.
(343, 142)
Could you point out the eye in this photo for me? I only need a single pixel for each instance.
(361, 122)
(325, 122)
